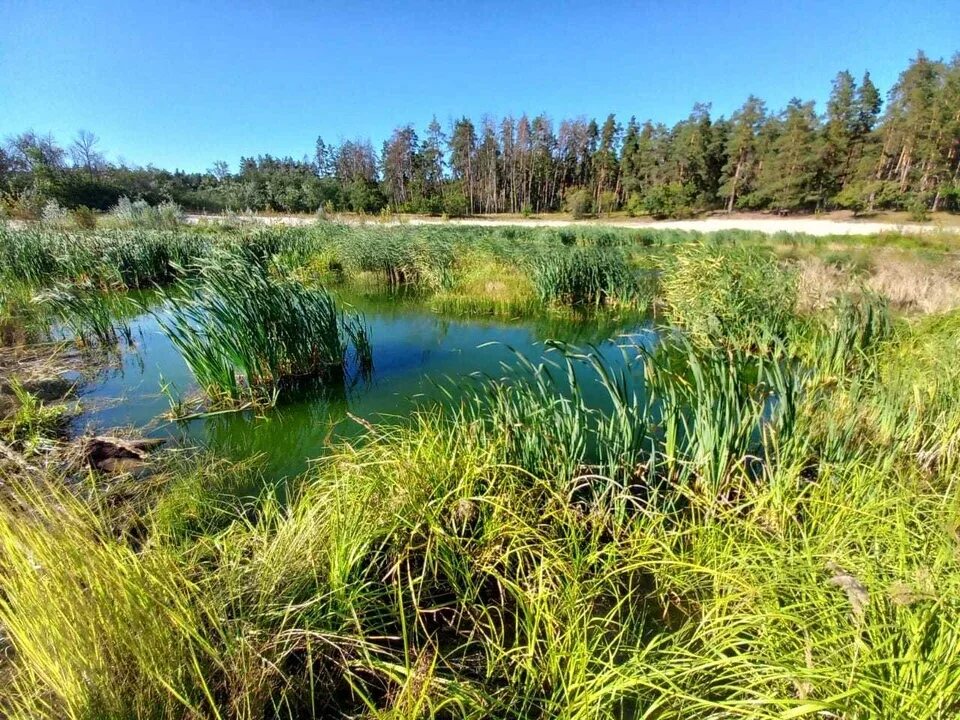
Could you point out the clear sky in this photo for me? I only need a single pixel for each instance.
(181, 84)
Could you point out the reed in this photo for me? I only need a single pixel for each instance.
(724, 291)
(92, 314)
(247, 335)
(585, 277)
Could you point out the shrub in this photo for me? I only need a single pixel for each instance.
(918, 210)
(139, 213)
(53, 216)
(579, 203)
(455, 203)
(608, 202)
(672, 200)
(85, 218)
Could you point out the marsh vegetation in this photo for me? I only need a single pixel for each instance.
(750, 510)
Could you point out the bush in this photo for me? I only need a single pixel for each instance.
(666, 201)
(455, 204)
(85, 218)
(918, 210)
(579, 203)
(608, 202)
(139, 213)
(53, 216)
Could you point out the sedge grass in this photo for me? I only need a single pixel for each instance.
(246, 335)
(728, 528)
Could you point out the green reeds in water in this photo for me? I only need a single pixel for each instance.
(679, 418)
(248, 335)
(94, 315)
(588, 276)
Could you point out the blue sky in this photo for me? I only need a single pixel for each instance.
(181, 84)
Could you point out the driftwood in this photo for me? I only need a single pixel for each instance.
(113, 454)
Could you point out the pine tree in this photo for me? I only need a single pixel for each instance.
(740, 170)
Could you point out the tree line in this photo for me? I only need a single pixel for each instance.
(861, 153)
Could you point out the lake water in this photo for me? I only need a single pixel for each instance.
(415, 353)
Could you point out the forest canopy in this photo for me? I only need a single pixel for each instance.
(861, 153)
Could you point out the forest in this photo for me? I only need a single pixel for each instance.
(861, 153)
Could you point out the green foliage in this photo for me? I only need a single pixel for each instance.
(247, 335)
(674, 200)
(579, 203)
(918, 209)
(584, 276)
(132, 258)
(93, 314)
(726, 292)
(84, 218)
(33, 425)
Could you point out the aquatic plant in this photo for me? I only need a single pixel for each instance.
(93, 314)
(32, 424)
(586, 277)
(246, 334)
(728, 292)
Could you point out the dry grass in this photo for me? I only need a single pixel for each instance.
(910, 283)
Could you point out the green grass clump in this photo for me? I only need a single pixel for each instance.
(585, 277)
(247, 334)
(396, 256)
(92, 314)
(32, 425)
(22, 321)
(726, 291)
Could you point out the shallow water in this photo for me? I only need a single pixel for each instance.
(415, 353)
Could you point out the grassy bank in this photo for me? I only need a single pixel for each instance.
(689, 550)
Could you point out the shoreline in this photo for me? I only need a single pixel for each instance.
(769, 225)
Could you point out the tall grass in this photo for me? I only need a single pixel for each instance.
(132, 258)
(94, 315)
(758, 521)
(246, 334)
(587, 277)
(726, 292)
(433, 571)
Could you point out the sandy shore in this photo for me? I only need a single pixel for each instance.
(769, 225)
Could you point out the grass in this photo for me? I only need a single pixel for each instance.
(32, 425)
(757, 518)
(729, 292)
(247, 335)
(432, 571)
(93, 315)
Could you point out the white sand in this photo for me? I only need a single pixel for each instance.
(769, 225)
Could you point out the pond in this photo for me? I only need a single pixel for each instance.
(416, 355)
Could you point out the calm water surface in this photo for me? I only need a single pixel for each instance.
(415, 353)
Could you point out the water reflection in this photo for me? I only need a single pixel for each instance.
(418, 357)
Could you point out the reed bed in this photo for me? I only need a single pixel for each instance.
(247, 335)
